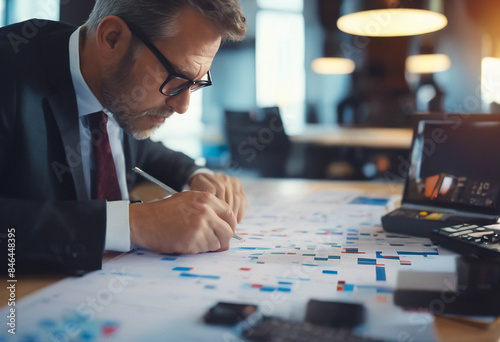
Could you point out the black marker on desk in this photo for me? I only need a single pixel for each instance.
(167, 188)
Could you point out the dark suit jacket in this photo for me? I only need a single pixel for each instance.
(42, 191)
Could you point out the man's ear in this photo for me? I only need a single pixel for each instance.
(113, 38)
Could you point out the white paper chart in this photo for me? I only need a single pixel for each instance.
(325, 245)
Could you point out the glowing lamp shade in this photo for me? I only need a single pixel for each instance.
(333, 66)
(392, 22)
(427, 64)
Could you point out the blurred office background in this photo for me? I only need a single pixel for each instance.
(348, 118)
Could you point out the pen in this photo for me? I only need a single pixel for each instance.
(167, 188)
(154, 180)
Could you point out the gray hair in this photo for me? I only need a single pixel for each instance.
(157, 18)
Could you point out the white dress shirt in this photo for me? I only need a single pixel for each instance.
(117, 212)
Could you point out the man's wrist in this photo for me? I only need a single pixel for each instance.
(197, 172)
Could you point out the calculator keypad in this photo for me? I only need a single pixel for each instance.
(482, 237)
(278, 330)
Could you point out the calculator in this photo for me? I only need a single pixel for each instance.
(272, 329)
(482, 241)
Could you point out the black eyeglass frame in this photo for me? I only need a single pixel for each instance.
(168, 66)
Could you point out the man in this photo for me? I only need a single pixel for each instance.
(76, 109)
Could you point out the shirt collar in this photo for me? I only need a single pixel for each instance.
(86, 101)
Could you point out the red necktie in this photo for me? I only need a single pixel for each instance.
(105, 184)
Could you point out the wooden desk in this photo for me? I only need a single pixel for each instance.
(381, 138)
(446, 329)
(333, 135)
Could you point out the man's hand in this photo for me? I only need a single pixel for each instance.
(226, 188)
(187, 222)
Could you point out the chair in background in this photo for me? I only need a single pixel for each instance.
(257, 141)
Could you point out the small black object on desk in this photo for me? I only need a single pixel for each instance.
(473, 290)
(334, 314)
(224, 313)
(325, 321)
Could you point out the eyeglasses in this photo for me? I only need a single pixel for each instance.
(176, 82)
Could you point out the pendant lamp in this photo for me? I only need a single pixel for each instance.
(391, 18)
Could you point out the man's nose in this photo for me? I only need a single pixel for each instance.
(180, 102)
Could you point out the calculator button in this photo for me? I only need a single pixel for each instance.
(479, 234)
(434, 216)
(483, 240)
(462, 232)
(494, 226)
(486, 239)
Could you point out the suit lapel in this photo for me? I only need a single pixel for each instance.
(62, 102)
(66, 115)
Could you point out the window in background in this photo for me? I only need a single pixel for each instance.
(280, 50)
(282, 5)
(182, 132)
(2, 13)
(490, 84)
(20, 10)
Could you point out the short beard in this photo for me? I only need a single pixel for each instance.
(116, 92)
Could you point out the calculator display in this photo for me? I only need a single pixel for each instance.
(456, 165)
